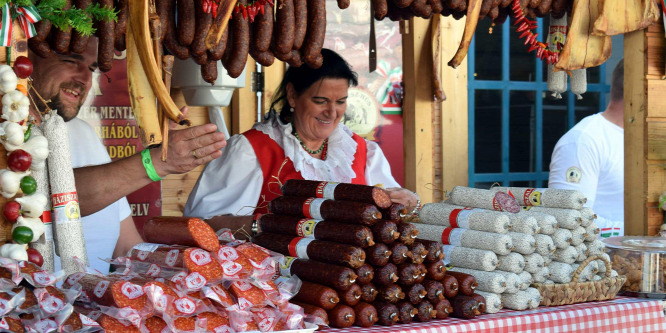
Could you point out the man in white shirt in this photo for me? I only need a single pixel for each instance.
(590, 158)
(64, 81)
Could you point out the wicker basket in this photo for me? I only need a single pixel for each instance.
(579, 292)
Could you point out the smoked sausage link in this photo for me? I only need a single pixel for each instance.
(426, 312)
(263, 29)
(176, 230)
(406, 312)
(356, 235)
(386, 275)
(387, 312)
(342, 316)
(186, 22)
(337, 191)
(105, 44)
(464, 307)
(419, 252)
(436, 270)
(313, 310)
(396, 212)
(466, 283)
(62, 38)
(366, 314)
(408, 233)
(434, 250)
(351, 296)
(385, 232)
(316, 294)
(171, 34)
(284, 26)
(79, 42)
(443, 308)
(391, 293)
(343, 211)
(450, 286)
(482, 302)
(415, 293)
(378, 255)
(120, 28)
(306, 248)
(400, 253)
(435, 291)
(408, 274)
(314, 39)
(368, 292)
(338, 277)
(300, 23)
(234, 61)
(365, 274)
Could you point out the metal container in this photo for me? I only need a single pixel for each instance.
(643, 260)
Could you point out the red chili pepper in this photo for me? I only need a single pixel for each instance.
(539, 52)
(523, 26)
(237, 9)
(270, 2)
(214, 8)
(261, 8)
(525, 33)
(532, 48)
(244, 11)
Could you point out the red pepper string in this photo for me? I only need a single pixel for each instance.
(525, 27)
(253, 8)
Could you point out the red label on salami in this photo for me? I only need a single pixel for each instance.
(306, 207)
(320, 189)
(100, 288)
(526, 197)
(445, 235)
(153, 270)
(171, 257)
(496, 205)
(243, 285)
(131, 290)
(46, 216)
(453, 217)
(200, 257)
(227, 253)
(43, 278)
(185, 305)
(74, 278)
(66, 207)
(195, 281)
(292, 246)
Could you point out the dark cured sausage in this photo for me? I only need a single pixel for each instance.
(443, 308)
(313, 310)
(187, 231)
(171, 38)
(365, 274)
(415, 293)
(434, 250)
(109, 292)
(378, 254)
(306, 248)
(436, 6)
(419, 252)
(400, 253)
(356, 235)
(105, 43)
(295, 59)
(465, 307)
(284, 23)
(423, 274)
(41, 48)
(385, 232)
(381, 9)
(421, 8)
(426, 312)
(558, 8)
(366, 314)
(343, 4)
(239, 48)
(406, 312)
(391, 293)
(466, 283)
(436, 271)
(209, 71)
(314, 39)
(408, 274)
(386, 275)
(201, 27)
(434, 291)
(342, 316)
(544, 8)
(337, 191)
(387, 313)
(217, 52)
(62, 38)
(186, 21)
(368, 292)
(316, 294)
(408, 233)
(482, 302)
(42, 28)
(263, 29)
(450, 286)
(120, 28)
(351, 296)
(343, 211)
(338, 277)
(300, 23)
(79, 42)
(162, 11)
(402, 3)
(396, 212)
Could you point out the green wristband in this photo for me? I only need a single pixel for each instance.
(148, 165)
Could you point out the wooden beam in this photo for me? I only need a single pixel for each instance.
(455, 169)
(272, 77)
(417, 109)
(244, 103)
(635, 129)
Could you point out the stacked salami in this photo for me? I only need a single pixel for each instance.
(201, 283)
(360, 262)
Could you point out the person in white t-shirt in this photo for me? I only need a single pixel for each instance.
(63, 80)
(590, 158)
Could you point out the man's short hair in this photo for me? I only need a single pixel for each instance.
(617, 82)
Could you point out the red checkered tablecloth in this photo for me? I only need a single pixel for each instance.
(624, 314)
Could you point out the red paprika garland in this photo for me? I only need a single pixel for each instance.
(252, 8)
(525, 27)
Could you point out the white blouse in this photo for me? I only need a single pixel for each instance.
(232, 183)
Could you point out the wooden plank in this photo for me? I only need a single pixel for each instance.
(418, 109)
(656, 178)
(635, 107)
(454, 109)
(655, 219)
(272, 77)
(656, 139)
(656, 98)
(244, 103)
(655, 54)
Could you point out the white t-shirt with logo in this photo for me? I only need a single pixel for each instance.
(101, 229)
(590, 158)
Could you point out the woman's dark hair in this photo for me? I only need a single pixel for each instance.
(303, 77)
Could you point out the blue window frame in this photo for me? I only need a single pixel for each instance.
(518, 122)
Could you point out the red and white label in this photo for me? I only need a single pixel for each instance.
(51, 304)
(153, 270)
(452, 236)
(142, 255)
(298, 247)
(3, 324)
(195, 281)
(285, 265)
(43, 278)
(179, 277)
(46, 325)
(459, 218)
(161, 302)
(306, 227)
(185, 305)
(172, 257)
(4, 307)
(263, 285)
(66, 207)
(267, 324)
(243, 285)
(326, 190)
(231, 268)
(312, 208)
(85, 321)
(94, 314)
(100, 288)
(223, 329)
(227, 253)
(131, 290)
(244, 303)
(200, 257)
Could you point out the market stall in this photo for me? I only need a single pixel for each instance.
(322, 255)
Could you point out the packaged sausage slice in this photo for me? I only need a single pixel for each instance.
(219, 294)
(11, 324)
(249, 295)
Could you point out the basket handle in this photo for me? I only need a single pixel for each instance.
(586, 262)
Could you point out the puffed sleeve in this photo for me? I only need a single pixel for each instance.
(377, 168)
(230, 184)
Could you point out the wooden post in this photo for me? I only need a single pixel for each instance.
(272, 77)
(417, 109)
(244, 103)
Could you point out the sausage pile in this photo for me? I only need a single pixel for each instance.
(361, 263)
(544, 242)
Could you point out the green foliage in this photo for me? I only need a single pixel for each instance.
(78, 19)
